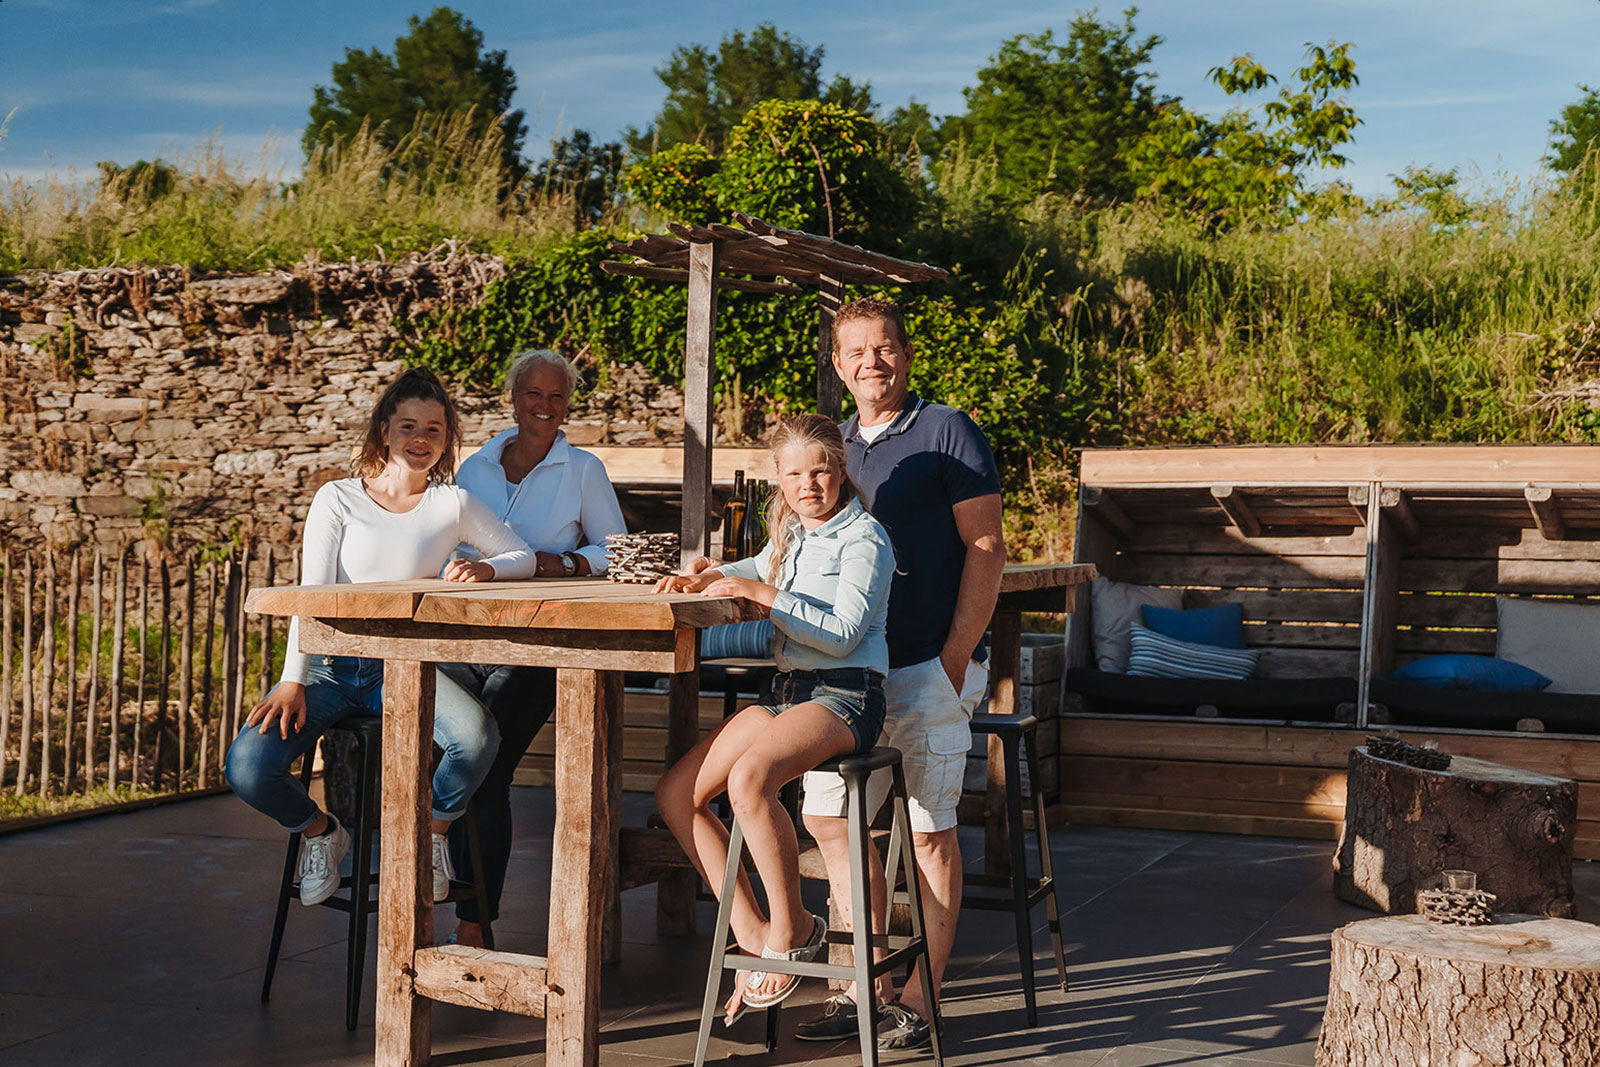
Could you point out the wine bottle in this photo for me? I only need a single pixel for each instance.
(733, 520)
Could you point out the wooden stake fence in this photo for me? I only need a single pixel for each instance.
(77, 716)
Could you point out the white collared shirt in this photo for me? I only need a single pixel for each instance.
(565, 504)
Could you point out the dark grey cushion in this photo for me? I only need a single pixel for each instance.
(1303, 699)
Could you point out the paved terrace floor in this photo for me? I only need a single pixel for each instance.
(139, 939)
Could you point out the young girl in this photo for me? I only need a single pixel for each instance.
(397, 518)
(825, 578)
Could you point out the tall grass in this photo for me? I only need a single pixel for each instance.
(443, 179)
(1379, 323)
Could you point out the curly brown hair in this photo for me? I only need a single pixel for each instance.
(872, 307)
(418, 383)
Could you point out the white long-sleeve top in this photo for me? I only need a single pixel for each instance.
(564, 504)
(350, 538)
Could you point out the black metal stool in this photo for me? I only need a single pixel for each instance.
(1023, 893)
(361, 903)
(902, 951)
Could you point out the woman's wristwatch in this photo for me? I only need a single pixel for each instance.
(569, 564)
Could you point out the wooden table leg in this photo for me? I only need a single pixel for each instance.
(611, 925)
(588, 714)
(1005, 666)
(675, 891)
(405, 872)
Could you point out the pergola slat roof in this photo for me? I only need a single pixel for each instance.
(702, 257)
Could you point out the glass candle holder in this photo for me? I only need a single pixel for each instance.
(1459, 879)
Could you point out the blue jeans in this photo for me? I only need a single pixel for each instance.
(337, 688)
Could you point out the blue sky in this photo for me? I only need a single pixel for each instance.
(1470, 84)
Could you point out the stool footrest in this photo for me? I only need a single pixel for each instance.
(901, 949)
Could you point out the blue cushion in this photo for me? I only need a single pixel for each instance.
(1485, 673)
(1154, 655)
(737, 640)
(1221, 626)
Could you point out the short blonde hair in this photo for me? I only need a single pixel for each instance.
(524, 362)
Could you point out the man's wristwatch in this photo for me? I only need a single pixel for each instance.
(569, 563)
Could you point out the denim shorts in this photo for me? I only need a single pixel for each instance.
(855, 694)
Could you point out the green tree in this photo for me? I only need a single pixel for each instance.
(1059, 116)
(709, 92)
(805, 164)
(1575, 132)
(589, 173)
(439, 65)
(1239, 166)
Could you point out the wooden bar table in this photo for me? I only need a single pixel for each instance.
(591, 631)
(1046, 587)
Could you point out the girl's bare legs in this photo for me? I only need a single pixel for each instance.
(752, 756)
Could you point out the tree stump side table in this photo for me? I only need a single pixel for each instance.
(1404, 992)
(1403, 825)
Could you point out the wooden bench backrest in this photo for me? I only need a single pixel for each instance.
(1309, 558)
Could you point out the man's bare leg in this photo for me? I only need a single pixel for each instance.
(939, 869)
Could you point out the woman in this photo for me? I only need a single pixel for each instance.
(559, 500)
(396, 518)
(824, 578)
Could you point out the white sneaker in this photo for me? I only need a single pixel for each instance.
(318, 865)
(443, 872)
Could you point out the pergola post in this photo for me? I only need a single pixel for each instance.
(699, 364)
(830, 391)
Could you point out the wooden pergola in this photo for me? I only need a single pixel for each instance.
(703, 257)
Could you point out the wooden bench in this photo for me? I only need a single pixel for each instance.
(1349, 561)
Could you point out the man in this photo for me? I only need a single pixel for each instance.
(926, 472)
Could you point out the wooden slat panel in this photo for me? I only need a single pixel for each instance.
(1281, 636)
(1196, 779)
(1307, 663)
(1226, 541)
(1436, 642)
(1447, 609)
(1332, 813)
(1502, 576)
(1286, 572)
(1282, 605)
(663, 465)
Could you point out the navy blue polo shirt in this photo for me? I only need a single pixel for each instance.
(911, 477)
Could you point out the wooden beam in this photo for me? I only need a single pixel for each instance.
(910, 270)
(482, 978)
(1233, 505)
(1397, 505)
(1100, 504)
(699, 368)
(405, 862)
(1546, 512)
(661, 651)
(1380, 598)
(588, 712)
(1411, 466)
(672, 274)
(830, 390)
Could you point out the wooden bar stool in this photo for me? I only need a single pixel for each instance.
(361, 902)
(1022, 893)
(863, 970)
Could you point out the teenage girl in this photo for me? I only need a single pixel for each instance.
(398, 517)
(825, 578)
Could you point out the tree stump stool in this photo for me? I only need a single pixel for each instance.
(1404, 992)
(1403, 825)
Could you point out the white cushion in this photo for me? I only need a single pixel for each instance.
(1154, 655)
(1559, 639)
(1115, 606)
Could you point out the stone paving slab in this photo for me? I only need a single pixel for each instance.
(139, 939)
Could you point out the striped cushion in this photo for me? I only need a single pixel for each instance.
(1154, 655)
(738, 640)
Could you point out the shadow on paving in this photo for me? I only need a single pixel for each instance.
(140, 938)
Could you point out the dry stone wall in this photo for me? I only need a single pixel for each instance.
(153, 404)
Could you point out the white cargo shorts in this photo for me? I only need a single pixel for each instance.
(930, 723)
